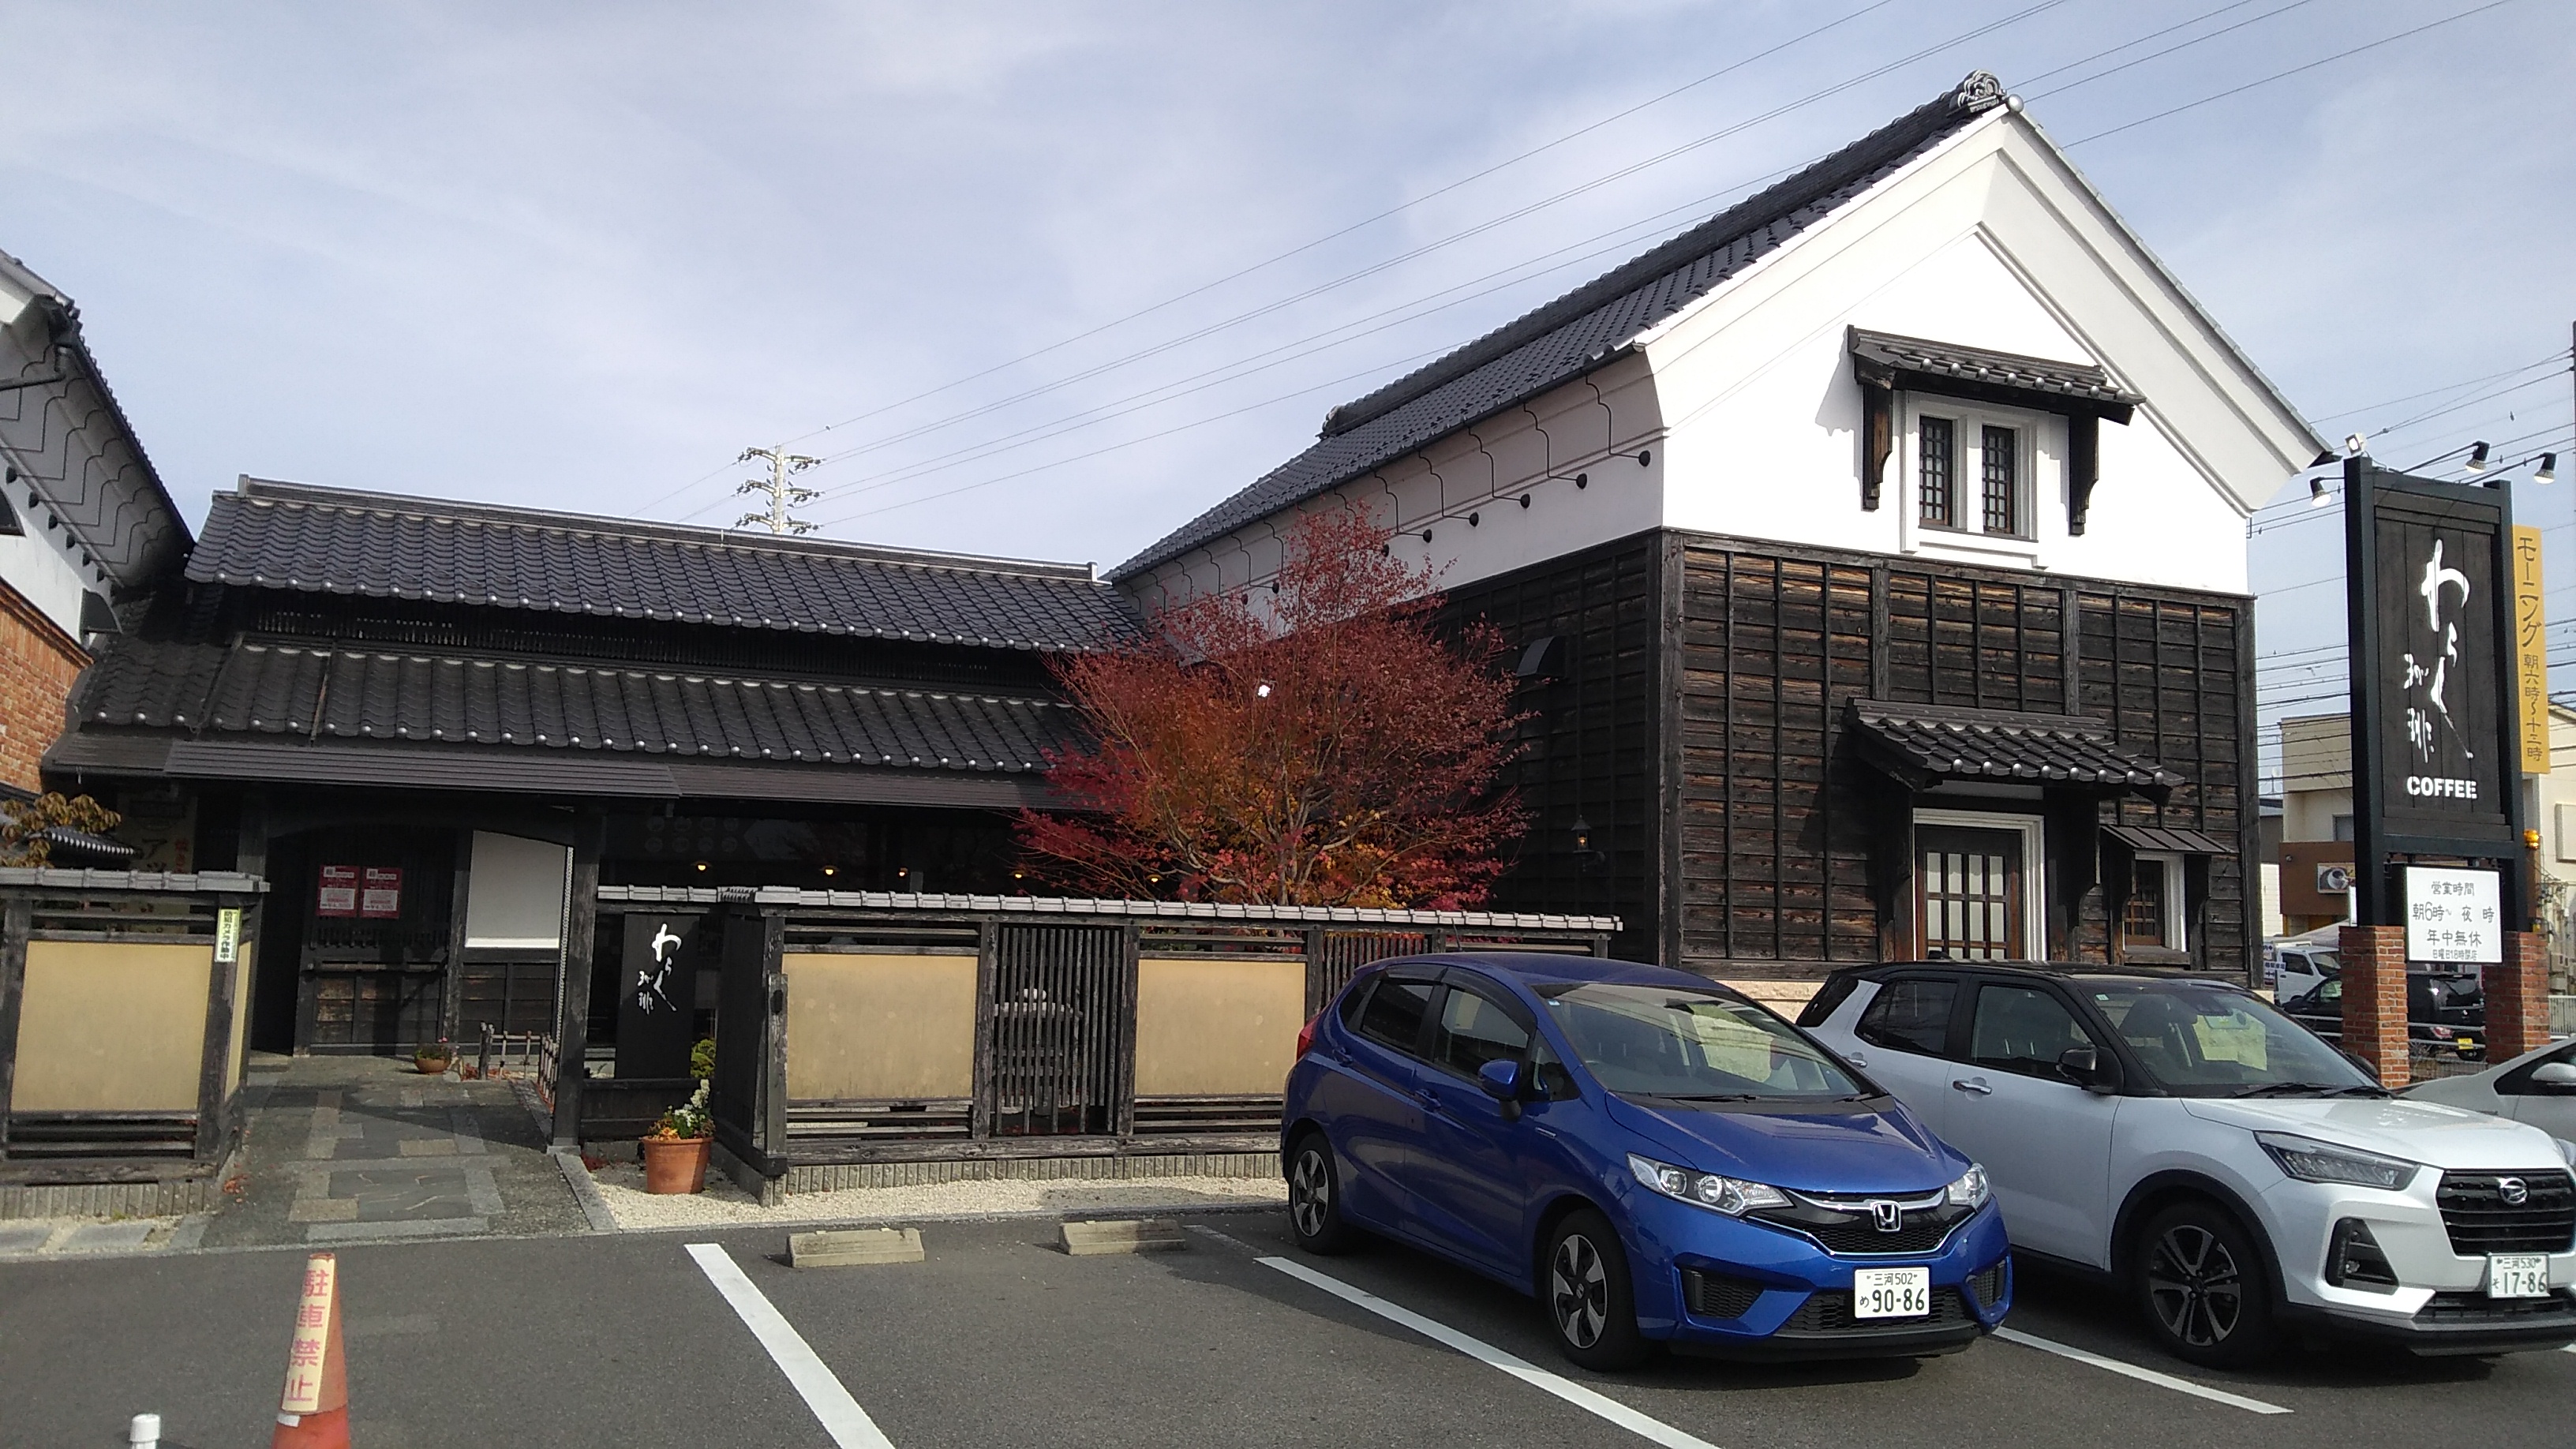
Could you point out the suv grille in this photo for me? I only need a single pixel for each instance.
(1831, 1313)
(2481, 1221)
(2479, 1308)
(1715, 1295)
(1849, 1227)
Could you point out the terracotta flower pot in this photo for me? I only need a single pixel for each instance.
(430, 1064)
(675, 1164)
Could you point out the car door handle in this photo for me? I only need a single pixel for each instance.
(1858, 1059)
(1975, 1085)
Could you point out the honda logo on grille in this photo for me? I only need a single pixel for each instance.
(2513, 1190)
(1891, 1218)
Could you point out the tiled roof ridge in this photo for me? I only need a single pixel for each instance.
(691, 676)
(1978, 93)
(1578, 333)
(277, 492)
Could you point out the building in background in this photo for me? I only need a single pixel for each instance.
(2315, 853)
(86, 534)
(1874, 558)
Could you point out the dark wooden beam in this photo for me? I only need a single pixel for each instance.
(2083, 463)
(17, 917)
(572, 1012)
(214, 1056)
(988, 942)
(1878, 441)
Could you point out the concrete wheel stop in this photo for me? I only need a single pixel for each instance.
(854, 1247)
(1122, 1235)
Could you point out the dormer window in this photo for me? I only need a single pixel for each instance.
(1973, 472)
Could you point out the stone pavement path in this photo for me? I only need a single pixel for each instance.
(364, 1149)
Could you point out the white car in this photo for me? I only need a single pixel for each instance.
(2538, 1087)
(2240, 1178)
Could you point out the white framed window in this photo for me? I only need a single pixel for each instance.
(1973, 472)
(2153, 915)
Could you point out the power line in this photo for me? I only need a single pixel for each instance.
(2286, 74)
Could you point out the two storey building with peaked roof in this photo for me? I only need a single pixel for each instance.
(438, 728)
(1875, 557)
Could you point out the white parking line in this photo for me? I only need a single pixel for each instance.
(2143, 1375)
(843, 1419)
(1529, 1373)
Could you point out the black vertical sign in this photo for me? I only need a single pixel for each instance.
(2436, 730)
(656, 1001)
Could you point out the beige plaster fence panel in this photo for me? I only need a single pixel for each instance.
(880, 1027)
(1216, 1026)
(112, 1026)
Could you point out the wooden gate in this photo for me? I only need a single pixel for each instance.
(1055, 1051)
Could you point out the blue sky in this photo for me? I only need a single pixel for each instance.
(580, 256)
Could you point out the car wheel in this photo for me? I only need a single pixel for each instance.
(1591, 1300)
(1315, 1197)
(2203, 1288)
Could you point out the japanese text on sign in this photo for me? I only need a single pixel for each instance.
(2453, 916)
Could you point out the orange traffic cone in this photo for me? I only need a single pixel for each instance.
(315, 1411)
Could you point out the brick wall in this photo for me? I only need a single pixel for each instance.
(2517, 998)
(38, 663)
(2374, 999)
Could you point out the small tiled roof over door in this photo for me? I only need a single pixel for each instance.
(288, 536)
(1925, 743)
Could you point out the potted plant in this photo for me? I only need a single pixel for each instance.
(675, 1151)
(432, 1057)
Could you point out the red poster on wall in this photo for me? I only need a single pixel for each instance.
(381, 899)
(338, 894)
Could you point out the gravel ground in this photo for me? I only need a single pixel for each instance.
(723, 1204)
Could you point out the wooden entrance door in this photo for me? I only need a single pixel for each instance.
(1968, 893)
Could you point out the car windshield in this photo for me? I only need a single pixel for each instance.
(1659, 1041)
(2201, 1040)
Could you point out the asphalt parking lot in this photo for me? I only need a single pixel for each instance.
(1000, 1339)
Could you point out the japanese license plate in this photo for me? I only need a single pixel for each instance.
(1892, 1292)
(2517, 1275)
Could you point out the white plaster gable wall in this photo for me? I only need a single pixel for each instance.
(42, 564)
(1746, 404)
(1961, 247)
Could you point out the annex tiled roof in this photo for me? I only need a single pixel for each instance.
(1087, 906)
(1948, 743)
(334, 541)
(2172, 838)
(1579, 331)
(1883, 356)
(253, 689)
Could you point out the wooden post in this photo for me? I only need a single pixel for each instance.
(2374, 1000)
(451, 1004)
(1122, 1106)
(979, 1119)
(1314, 971)
(214, 1055)
(772, 925)
(572, 1014)
(2517, 997)
(16, 920)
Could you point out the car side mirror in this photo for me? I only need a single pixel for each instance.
(2082, 1065)
(2555, 1077)
(1501, 1079)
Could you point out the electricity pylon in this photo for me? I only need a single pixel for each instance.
(783, 495)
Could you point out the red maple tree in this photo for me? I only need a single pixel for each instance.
(1330, 748)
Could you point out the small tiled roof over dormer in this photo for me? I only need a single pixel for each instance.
(1888, 360)
(294, 537)
(1579, 332)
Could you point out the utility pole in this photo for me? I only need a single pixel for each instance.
(782, 494)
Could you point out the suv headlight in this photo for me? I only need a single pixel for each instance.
(1971, 1190)
(2312, 1161)
(1729, 1195)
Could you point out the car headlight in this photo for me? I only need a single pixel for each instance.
(2312, 1161)
(1729, 1195)
(1971, 1190)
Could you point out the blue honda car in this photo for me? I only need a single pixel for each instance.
(1654, 1157)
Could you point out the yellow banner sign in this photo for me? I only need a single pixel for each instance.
(2531, 650)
